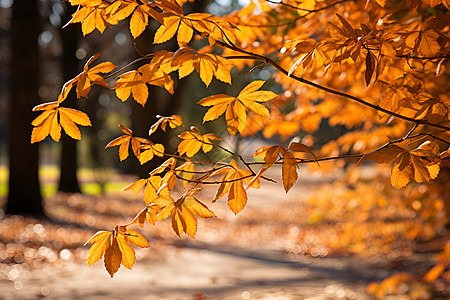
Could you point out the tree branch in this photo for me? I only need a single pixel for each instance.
(252, 55)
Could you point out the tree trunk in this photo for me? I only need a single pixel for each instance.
(68, 181)
(24, 195)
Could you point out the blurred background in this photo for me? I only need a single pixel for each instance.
(54, 196)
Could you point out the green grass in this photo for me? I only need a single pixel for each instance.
(49, 177)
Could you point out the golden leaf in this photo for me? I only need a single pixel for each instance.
(173, 121)
(250, 97)
(50, 121)
(124, 142)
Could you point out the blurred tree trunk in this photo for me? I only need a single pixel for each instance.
(68, 181)
(24, 195)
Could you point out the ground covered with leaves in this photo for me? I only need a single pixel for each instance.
(323, 240)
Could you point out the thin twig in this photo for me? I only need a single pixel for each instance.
(329, 90)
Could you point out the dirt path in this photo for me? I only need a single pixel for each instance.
(215, 273)
(210, 267)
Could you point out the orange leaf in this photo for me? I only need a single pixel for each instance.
(124, 142)
(234, 108)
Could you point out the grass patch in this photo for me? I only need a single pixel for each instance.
(92, 182)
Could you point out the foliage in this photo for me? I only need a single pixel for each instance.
(378, 68)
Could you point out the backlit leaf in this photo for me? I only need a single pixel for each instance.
(235, 108)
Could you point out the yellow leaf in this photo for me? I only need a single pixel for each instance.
(384, 155)
(197, 207)
(298, 147)
(124, 142)
(235, 108)
(401, 171)
(149, 151)
(289, 171)
(232, 183)
(91, 17)
(128, 254)
(131, 83)
(237, 196)
(100, 241)
(270, 154)
(51, 120)
(173, 121)
(135, 238)
(193, 142)
(428, 43)
(113, 256)
(168, 29)
(177, 222)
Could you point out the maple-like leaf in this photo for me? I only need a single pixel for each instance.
(420, 164)
(235, 107)
(170, 178)
(139, 18)
(124, 142)
(91, 15)
(176, 22)
(183, 212)
(149, 213)
(134, 83)
(207, 65)
(131, 83)
(232, 183)
(152, 184)
(53, 117)
(85, 79)
(149, 150)
(271, 154)
(115, 248)
(192, 142)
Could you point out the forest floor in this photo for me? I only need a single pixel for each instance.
(254, 255)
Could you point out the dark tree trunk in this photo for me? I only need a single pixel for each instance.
(24, 195)
(68, 181)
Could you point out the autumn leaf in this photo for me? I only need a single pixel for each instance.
(139, 19)
(187, 172)
(124, 142)
(170, 178)
(271, 154)
(152, 185)
(149, 213)
(173, 23)
(176, 22)
(173, 121)
(370, 67)
(301, 148)
(232, 183)
(420, 164)
(192, 143)
(131, 83)
(148, 151)
(115, 248)
(207, 65)
(183, 213)
(53, 117)
(101, 240)
(234, 107)
(384, 155)
(91, 15)
(85, 79)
